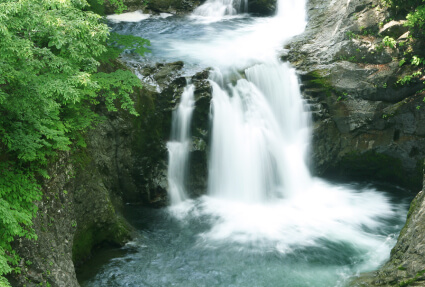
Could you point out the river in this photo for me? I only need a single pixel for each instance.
(264, 220)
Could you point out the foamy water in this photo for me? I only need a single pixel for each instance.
(135, 16)
(265, 220)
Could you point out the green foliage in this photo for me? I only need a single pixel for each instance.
(49, 56)
(416, 61)
(115, 86)
(389, 42)
(411, 281)
(351, 35)
(417, 18)
(408, 78)
(18, 192)
(117, 44)
(403, 5)
(414, 11)
(117, 4)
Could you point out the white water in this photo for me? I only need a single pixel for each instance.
(259, 136)
(135, 16)
(261, 195)
(265, 221)
(215, 9)
(179, 145)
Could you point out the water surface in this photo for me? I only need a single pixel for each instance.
(265, 220)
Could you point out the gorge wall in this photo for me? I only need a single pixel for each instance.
(125, 162)
(365, 126)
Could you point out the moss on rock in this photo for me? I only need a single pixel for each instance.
(85, 240)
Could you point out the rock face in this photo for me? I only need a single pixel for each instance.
(364, 125)
(262, 7)
(163, 86)
(49, 259)
(406, 266)
(125, 161)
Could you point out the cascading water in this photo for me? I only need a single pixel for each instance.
(265, 220)
(259, 136)
(220, 8)
(179, 145)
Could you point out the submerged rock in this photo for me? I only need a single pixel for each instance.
(147, 6)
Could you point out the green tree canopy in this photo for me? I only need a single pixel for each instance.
(49, 56)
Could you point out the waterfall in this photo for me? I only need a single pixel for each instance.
(259, 137)
(265, 220)
(179, 146)
(260, 129)
(220, 8)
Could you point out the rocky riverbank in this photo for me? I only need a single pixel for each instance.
(125, 162)
(366, 126)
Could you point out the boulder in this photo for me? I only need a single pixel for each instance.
(262, 7)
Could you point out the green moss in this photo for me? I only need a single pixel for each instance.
(413, 205)
(96, 7)
(154, 129)
(87, 239)
(318, 79)
(163, 5)
(413, 280)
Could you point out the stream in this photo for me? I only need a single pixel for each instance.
(265, 220)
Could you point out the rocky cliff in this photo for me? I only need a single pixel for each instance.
(125, 162)
(406, 266)
(366, 126)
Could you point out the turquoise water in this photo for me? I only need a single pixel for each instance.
(267, 221)
(174, 250)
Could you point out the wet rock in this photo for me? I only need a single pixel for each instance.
(48, 260)
(172, 6)
(160, 96)
(149, 6)
(262, 7)
(407, 263)
(360, 112)
(125, 161)
(394, 29)
(365, 126)
(198, 165)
